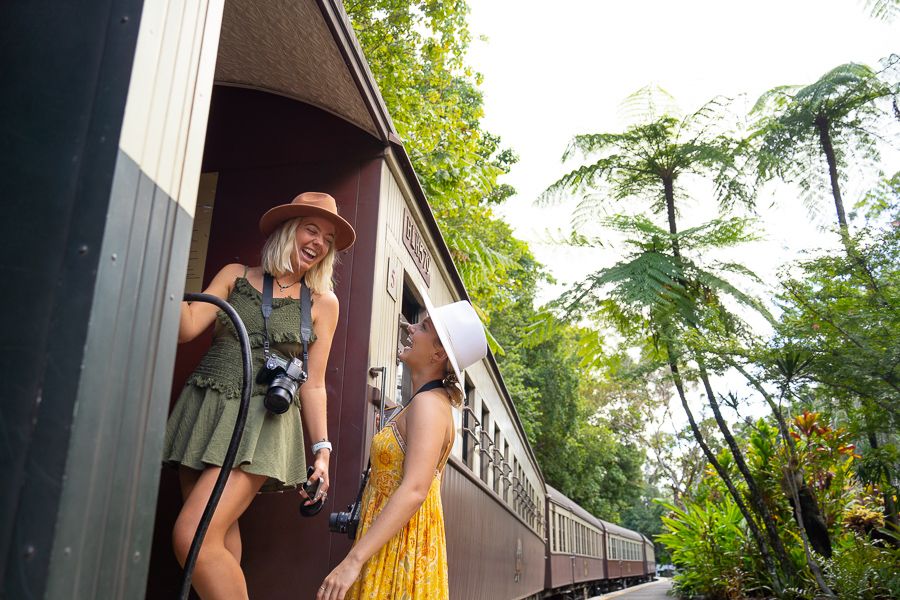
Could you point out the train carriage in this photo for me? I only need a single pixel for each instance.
(221, 110)
(587, 555)
(625, 554)
(575, 544)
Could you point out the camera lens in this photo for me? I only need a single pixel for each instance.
(337, 522)
(280, 394)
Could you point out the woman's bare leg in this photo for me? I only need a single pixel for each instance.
(188, 478)
(217, 575)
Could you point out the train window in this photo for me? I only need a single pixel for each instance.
(484, 450)
(562, 535)
(563, 538)
(495, 455)
(554, 528)
(506, 471)
(513, 472)
(468, 433)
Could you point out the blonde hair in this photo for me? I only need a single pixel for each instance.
(280, 248)
(451, 385)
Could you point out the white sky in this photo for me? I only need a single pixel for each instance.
(554, 70)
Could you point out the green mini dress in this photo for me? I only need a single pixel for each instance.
(200, 426)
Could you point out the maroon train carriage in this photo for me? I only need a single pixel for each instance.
(575, 546)
(587, 555)
(493, 497)
(625, 551)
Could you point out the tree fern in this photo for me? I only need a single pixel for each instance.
(813, 134)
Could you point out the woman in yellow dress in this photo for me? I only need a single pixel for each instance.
(400, 551)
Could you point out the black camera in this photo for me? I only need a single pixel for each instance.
(345, 522)
(284, 378)
(348, 521)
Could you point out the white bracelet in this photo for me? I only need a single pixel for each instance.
(321, 446)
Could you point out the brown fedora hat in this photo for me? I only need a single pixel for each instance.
(310, 204)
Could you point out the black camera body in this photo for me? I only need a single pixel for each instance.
(346, 522)
(284, 378)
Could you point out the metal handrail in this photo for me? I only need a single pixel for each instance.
(239, 422)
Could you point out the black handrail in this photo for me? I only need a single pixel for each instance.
(240, 421)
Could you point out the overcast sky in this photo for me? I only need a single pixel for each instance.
(553, 70)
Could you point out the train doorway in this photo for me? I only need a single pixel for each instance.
(261, 150)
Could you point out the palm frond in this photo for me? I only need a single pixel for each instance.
(883, 10)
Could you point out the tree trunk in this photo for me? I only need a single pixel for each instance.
(822, 125)
(669, 190)
(723, 474)
(804, 512)
(756, 499)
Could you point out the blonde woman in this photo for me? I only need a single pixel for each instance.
(303, 238)
(400, 549)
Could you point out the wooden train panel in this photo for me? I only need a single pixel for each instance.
(491, 552)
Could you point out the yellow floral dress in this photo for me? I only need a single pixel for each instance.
(412, 565)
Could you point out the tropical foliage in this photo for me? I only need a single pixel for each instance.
(793, 491)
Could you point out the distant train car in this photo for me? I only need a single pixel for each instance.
(625, 551)
(587, 555)
(575, 545)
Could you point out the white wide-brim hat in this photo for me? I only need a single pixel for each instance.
(460, 331)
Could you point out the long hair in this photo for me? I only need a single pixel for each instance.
(451, 385)
(281, 247)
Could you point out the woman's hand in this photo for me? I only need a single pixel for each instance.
(196, 317)
(320, 473)
(339, 581)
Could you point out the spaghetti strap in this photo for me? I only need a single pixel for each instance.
(246, 268)
(445, 456)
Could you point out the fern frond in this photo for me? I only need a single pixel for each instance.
(647, 104)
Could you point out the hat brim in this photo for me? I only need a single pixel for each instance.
(443, 335)
(344, 234)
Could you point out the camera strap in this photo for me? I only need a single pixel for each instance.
(305, 316)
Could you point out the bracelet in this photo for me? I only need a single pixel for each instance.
(321, 446)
